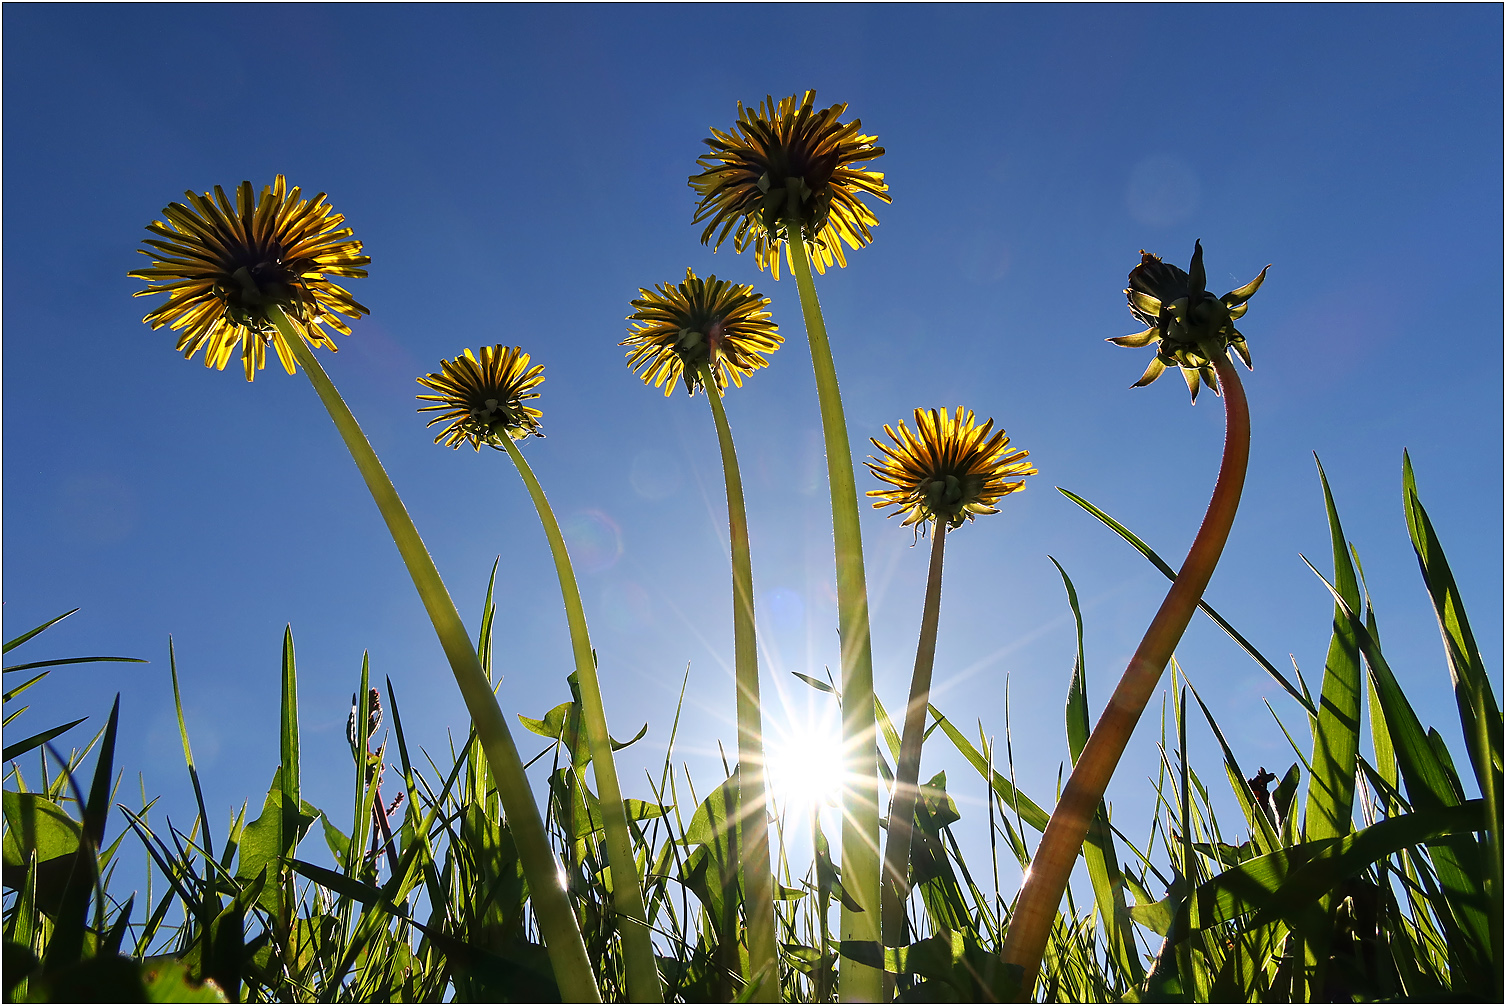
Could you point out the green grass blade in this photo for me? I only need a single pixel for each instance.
(1478, 711)
(1027, 809)
(23, 637)
(1098, 848)
(1335, 738)
(67, 944)
(35, 741)
(1459, 859)
(1262, 828)
(1479, 714)
(1207, 609)
(193, 772)
(288, 736)
(1336, 730)
(74, 660)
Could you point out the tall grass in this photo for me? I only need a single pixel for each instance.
(1380, 884)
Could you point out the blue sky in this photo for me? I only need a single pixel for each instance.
(516, 173)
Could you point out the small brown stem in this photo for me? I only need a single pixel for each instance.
(907, 771)
(1046, 880)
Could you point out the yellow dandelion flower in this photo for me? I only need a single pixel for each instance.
(785, 152)
(708, 321)
(949, 469)
(482, 400)
(1188, 326)
(222, 264)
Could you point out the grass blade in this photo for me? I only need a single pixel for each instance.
(1479, 714)
(19, 748)
(1098, 848)
(23, 637)
(1207, 609)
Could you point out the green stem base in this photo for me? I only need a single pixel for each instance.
(763, 952)
(860, 812)
(627, 892)
(551, 906)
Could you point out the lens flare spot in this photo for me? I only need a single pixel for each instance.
(594, 539)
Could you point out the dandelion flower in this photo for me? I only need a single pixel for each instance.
(785, 152)
(222, 264)
(1188, 326)
(950, 469)
(482, 400)
(710, 321)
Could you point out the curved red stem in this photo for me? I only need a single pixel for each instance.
(1046, 881)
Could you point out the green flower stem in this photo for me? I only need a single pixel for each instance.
(551, 906)
(763, 959)
(627, 893)
(860, 827)
(907, 771)
(1036, 909)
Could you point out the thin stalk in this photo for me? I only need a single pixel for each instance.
(860, 829)
(627, 892)
(1036, 909)
(763, 959)
(551, 906)
(907, 771)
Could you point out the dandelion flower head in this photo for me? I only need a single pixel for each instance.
(788, 157)
(223, 263)
(482, 397)
(949, 469)
(681, 327)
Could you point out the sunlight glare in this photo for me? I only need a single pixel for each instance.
(805, 767)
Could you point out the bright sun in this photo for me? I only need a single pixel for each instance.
(805, 767)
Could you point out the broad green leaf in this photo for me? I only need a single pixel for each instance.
(639, 810)
(167, 981)
(1281, 884)
(262, 841)
(34, 824)
(552, 724)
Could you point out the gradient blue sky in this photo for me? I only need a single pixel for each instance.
(516, 173)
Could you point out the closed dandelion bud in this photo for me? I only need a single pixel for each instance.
(1189, 327)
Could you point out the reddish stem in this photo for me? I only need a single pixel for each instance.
(1046, 880)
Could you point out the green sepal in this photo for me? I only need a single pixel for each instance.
(1137, 340)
